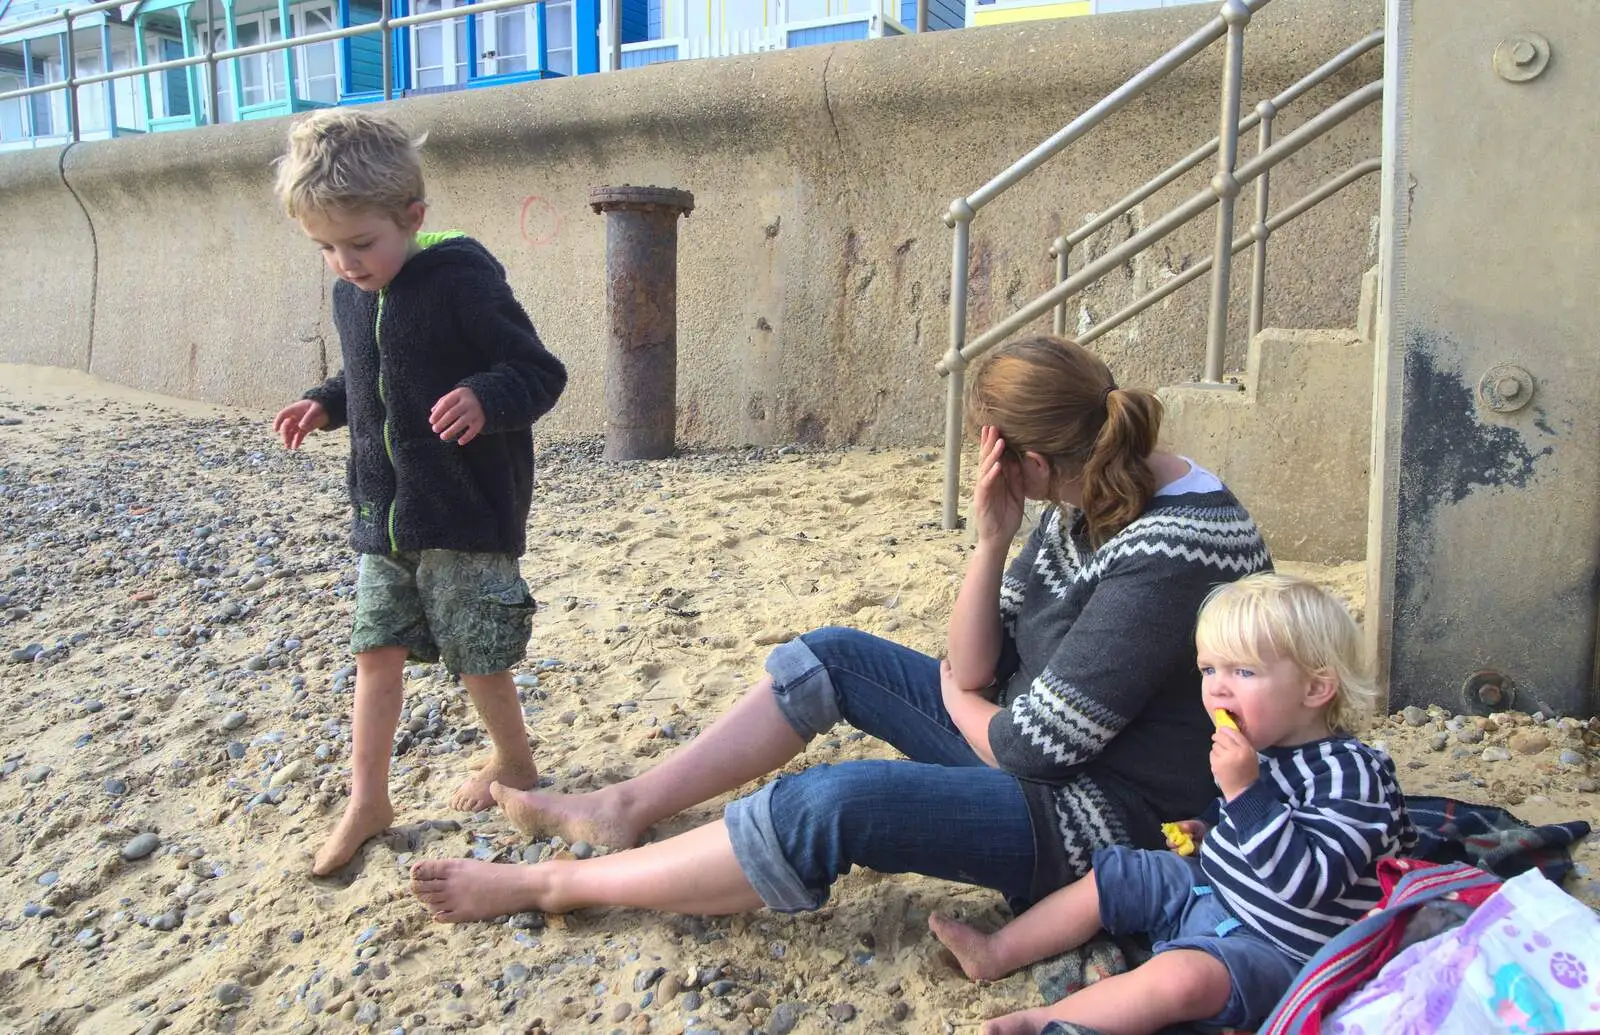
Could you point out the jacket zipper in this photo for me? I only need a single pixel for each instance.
(388, 441)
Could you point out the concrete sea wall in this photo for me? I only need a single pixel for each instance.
(814, 272)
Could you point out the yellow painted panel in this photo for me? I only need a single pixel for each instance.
(1006, 15)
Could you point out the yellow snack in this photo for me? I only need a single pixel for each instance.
(1177, 837)
(1220, 717)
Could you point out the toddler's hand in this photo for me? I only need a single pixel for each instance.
(1234, 764)
(297, 420)
(1184, 836)
(458, 416)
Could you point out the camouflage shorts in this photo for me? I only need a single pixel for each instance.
(472, 611)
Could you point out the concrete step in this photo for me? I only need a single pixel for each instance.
(1294, 441)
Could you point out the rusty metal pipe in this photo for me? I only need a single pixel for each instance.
(641, 317)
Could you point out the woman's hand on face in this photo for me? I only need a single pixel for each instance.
(997, 499)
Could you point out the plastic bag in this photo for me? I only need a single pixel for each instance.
(1526, 962)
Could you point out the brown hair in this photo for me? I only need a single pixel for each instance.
(1052, 396)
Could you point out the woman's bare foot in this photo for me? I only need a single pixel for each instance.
(971, 948)
(462, 890)
(360, 823)
(596, 817)
(474, 795)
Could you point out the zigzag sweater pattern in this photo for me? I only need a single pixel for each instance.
(1101, 717)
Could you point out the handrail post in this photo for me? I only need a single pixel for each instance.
(141, 58)
(922, 15)
(1062, 250)
(212, 105)
(69, 58)
(1236, 15)
(387, 48)
(1261, 230)
(614, 35)
(960, 220)
(27, 82)
(109, 86)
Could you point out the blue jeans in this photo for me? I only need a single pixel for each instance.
(945, 813)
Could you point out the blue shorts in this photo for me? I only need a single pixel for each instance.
(1167, 896)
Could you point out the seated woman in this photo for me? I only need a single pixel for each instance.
(1067, 716)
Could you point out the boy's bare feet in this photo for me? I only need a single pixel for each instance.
(970, 947)
(474, 795)
(461, 890)
(596, 817)
(360, 823)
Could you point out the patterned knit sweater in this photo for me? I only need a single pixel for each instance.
(1101, 717)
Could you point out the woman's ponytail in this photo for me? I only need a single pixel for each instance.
(1117, 481)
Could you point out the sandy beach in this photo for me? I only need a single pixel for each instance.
(175, 689)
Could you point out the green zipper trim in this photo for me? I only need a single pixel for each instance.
(428, 240)
(388, 440)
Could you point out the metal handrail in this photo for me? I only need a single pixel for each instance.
(72, 82)
(1229, 23)
(1240, 243)
(1061, 247)
(1225, 186)
(1290, 144)
(962, 209)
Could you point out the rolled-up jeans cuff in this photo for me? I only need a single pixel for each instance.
(755, 846)
(803, 689)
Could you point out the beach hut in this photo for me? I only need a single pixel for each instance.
(675, 30)
(539, 41)
(1001, 12)
(101, 41)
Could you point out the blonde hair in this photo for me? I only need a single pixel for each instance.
(348, 160)
(1271, 617)
(1052, 396)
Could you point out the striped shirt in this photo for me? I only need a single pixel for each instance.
(1294, 856)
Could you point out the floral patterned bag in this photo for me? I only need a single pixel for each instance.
(1526, 962)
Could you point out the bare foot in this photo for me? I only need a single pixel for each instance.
(461, 890)
(1020, 1023)
(969, 946)
(360, 823)
(596, 817)
(473, 795)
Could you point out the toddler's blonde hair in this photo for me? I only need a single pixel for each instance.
(1272, 617)
(349, 160)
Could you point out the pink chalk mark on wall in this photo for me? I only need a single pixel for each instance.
(540, 221)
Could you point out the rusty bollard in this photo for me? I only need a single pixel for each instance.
(641, 317)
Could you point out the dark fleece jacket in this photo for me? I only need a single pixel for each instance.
(447, 319)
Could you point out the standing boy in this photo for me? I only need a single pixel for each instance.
(443, 376)
(1289, 853)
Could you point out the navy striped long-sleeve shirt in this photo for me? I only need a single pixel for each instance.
(1294, 856)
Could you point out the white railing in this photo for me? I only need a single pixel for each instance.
(750, 41)
(211, 59)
